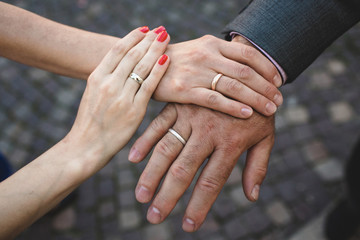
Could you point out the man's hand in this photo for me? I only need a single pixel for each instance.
(209, 134)
(249, 77)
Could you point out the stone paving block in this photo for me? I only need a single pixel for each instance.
(321, 80)
(238, 196)
(235, 229)
(255, 220)
(106, 188)
(278, 213)
(287, 190)
(336, 66)
(110, 230)
(224, 206)
(297, 115)
(86, 222)
(315, 152)
(235, 176)
(126, 179)
(157, 232)
(65, 220)
(87, 194)
(107, 209)
(208, 228)
(126, 198)
(330, 170)
(267, 193)
(341, 112)
(293, 159)
(129, 218)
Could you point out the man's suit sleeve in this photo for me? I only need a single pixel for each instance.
(295, 32)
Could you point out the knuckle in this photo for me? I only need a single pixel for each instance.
(212, 99)
(135, 54)
(157, 125)
(147, 88)
(269, 90)
(107, 89)
(119, 47)
(248, 52)
(243, 72)
(210, 185)
(94, 77)
(208, 38)
(180, 174)
(142, 68)
(233, 86)
(260, 171)
(166, 149)
(180, 86)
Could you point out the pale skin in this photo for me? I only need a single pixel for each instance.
(33, 40)
(110, 111)
(76, 53)
(209, 134)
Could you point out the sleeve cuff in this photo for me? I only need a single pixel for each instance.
(279, 68)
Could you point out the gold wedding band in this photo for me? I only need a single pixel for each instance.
(177, 135)
(215, 81)
(136, 78)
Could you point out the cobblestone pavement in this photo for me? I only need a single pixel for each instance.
(316, 127)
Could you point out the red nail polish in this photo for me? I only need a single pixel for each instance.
(160, 29)
(144, 29)
(162, 37)
(163, 59)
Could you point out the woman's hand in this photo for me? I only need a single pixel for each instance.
(114, 104)
(249, 78)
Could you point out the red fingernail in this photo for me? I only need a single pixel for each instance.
(160, 29)
(144, 29)
(163, 59)
(162, 37)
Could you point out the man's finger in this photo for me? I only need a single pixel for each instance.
(207, 188)
(156, 130)
(165, 152)
(178, 179)
(257, 161)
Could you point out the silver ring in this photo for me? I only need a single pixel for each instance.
(177, 135)
(215, 81)
(136, 78)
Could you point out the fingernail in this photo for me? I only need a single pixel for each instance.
(159, 29)
(278, 99)
(188, 225)
(134, 155)
(153, 215)
(255, 192)
(162, 37)
(247, 112)
(142, 194)
(144, 29)
(277, 80)
(163, 59)
(270, 107)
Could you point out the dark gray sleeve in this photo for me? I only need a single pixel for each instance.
(295, 32)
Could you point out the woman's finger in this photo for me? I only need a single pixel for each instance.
(147, 63)
(131, 58)
(148, 87)
(118, 51)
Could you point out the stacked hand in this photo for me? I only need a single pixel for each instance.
(118, 91)
(248, 78)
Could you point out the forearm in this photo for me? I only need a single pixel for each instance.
(36, 41)
(42, 184)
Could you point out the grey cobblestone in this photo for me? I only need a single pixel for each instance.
(315, 131)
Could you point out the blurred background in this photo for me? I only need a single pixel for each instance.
(316, 127)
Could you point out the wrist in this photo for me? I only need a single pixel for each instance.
(82, 156)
